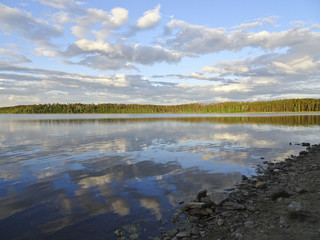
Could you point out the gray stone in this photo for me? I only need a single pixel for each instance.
(239, 235)
(248, 224)
(251, 208)
(220, 222)
(295, 206)
(183, 234)
(219, 197)
(195, 231)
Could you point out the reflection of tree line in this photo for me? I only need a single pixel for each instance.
(286, 105)
(293, 120)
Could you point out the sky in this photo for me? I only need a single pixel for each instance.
(158, 52)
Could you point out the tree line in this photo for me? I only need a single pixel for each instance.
(285, 105)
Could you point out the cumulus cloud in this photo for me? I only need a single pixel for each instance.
(104, 55)
(150, 18)
(108, 21)
(196, 39)
(13, 20)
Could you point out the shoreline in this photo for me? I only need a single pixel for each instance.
(282, 202)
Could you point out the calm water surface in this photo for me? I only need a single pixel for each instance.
(85, 176)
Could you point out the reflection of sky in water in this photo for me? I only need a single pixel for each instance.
(61, 178)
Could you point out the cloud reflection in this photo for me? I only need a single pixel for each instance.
(65, 173)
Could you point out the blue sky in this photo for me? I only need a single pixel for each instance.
(158, 52)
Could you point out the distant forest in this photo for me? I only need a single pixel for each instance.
(286, 105)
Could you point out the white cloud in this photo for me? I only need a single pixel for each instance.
(104, 55)
(61, 4)
(12, 56)
(304, 65)
(196, 39)
(13, 20)
(107, 21)
(226, 68)
(150, 18)
(258, 22)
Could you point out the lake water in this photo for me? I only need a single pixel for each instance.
(85, 176)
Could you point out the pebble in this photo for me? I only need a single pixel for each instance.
(295, 206)
(248, 224)
(261, 185)
(220, 222)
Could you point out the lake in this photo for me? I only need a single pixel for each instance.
(87, 176)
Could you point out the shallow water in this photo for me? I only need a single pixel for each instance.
(85, 176)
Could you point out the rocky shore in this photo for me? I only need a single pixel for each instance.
(282, 202)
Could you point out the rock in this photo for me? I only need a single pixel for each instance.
(248, 224)
(239, 235)
(220, 222)
(172, 233)
(305, 144)
(209, 210)
(251, 208)
(233, 206)
(279, 194)
(303, 153)
(243, 177)
(201, 194)
(166, 238)
(300, 190)
(195, 231)
(195, 205)
(295, 206)
(261, 185)
(199, 211)
(207, 201)
(118, 232)
(219, 197)
(183, 234)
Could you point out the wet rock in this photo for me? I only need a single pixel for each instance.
(305, 144)
(201, 194)
(219, 197)
(243, 177)
(261, 185)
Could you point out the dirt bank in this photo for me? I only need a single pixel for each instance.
(283, 202)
